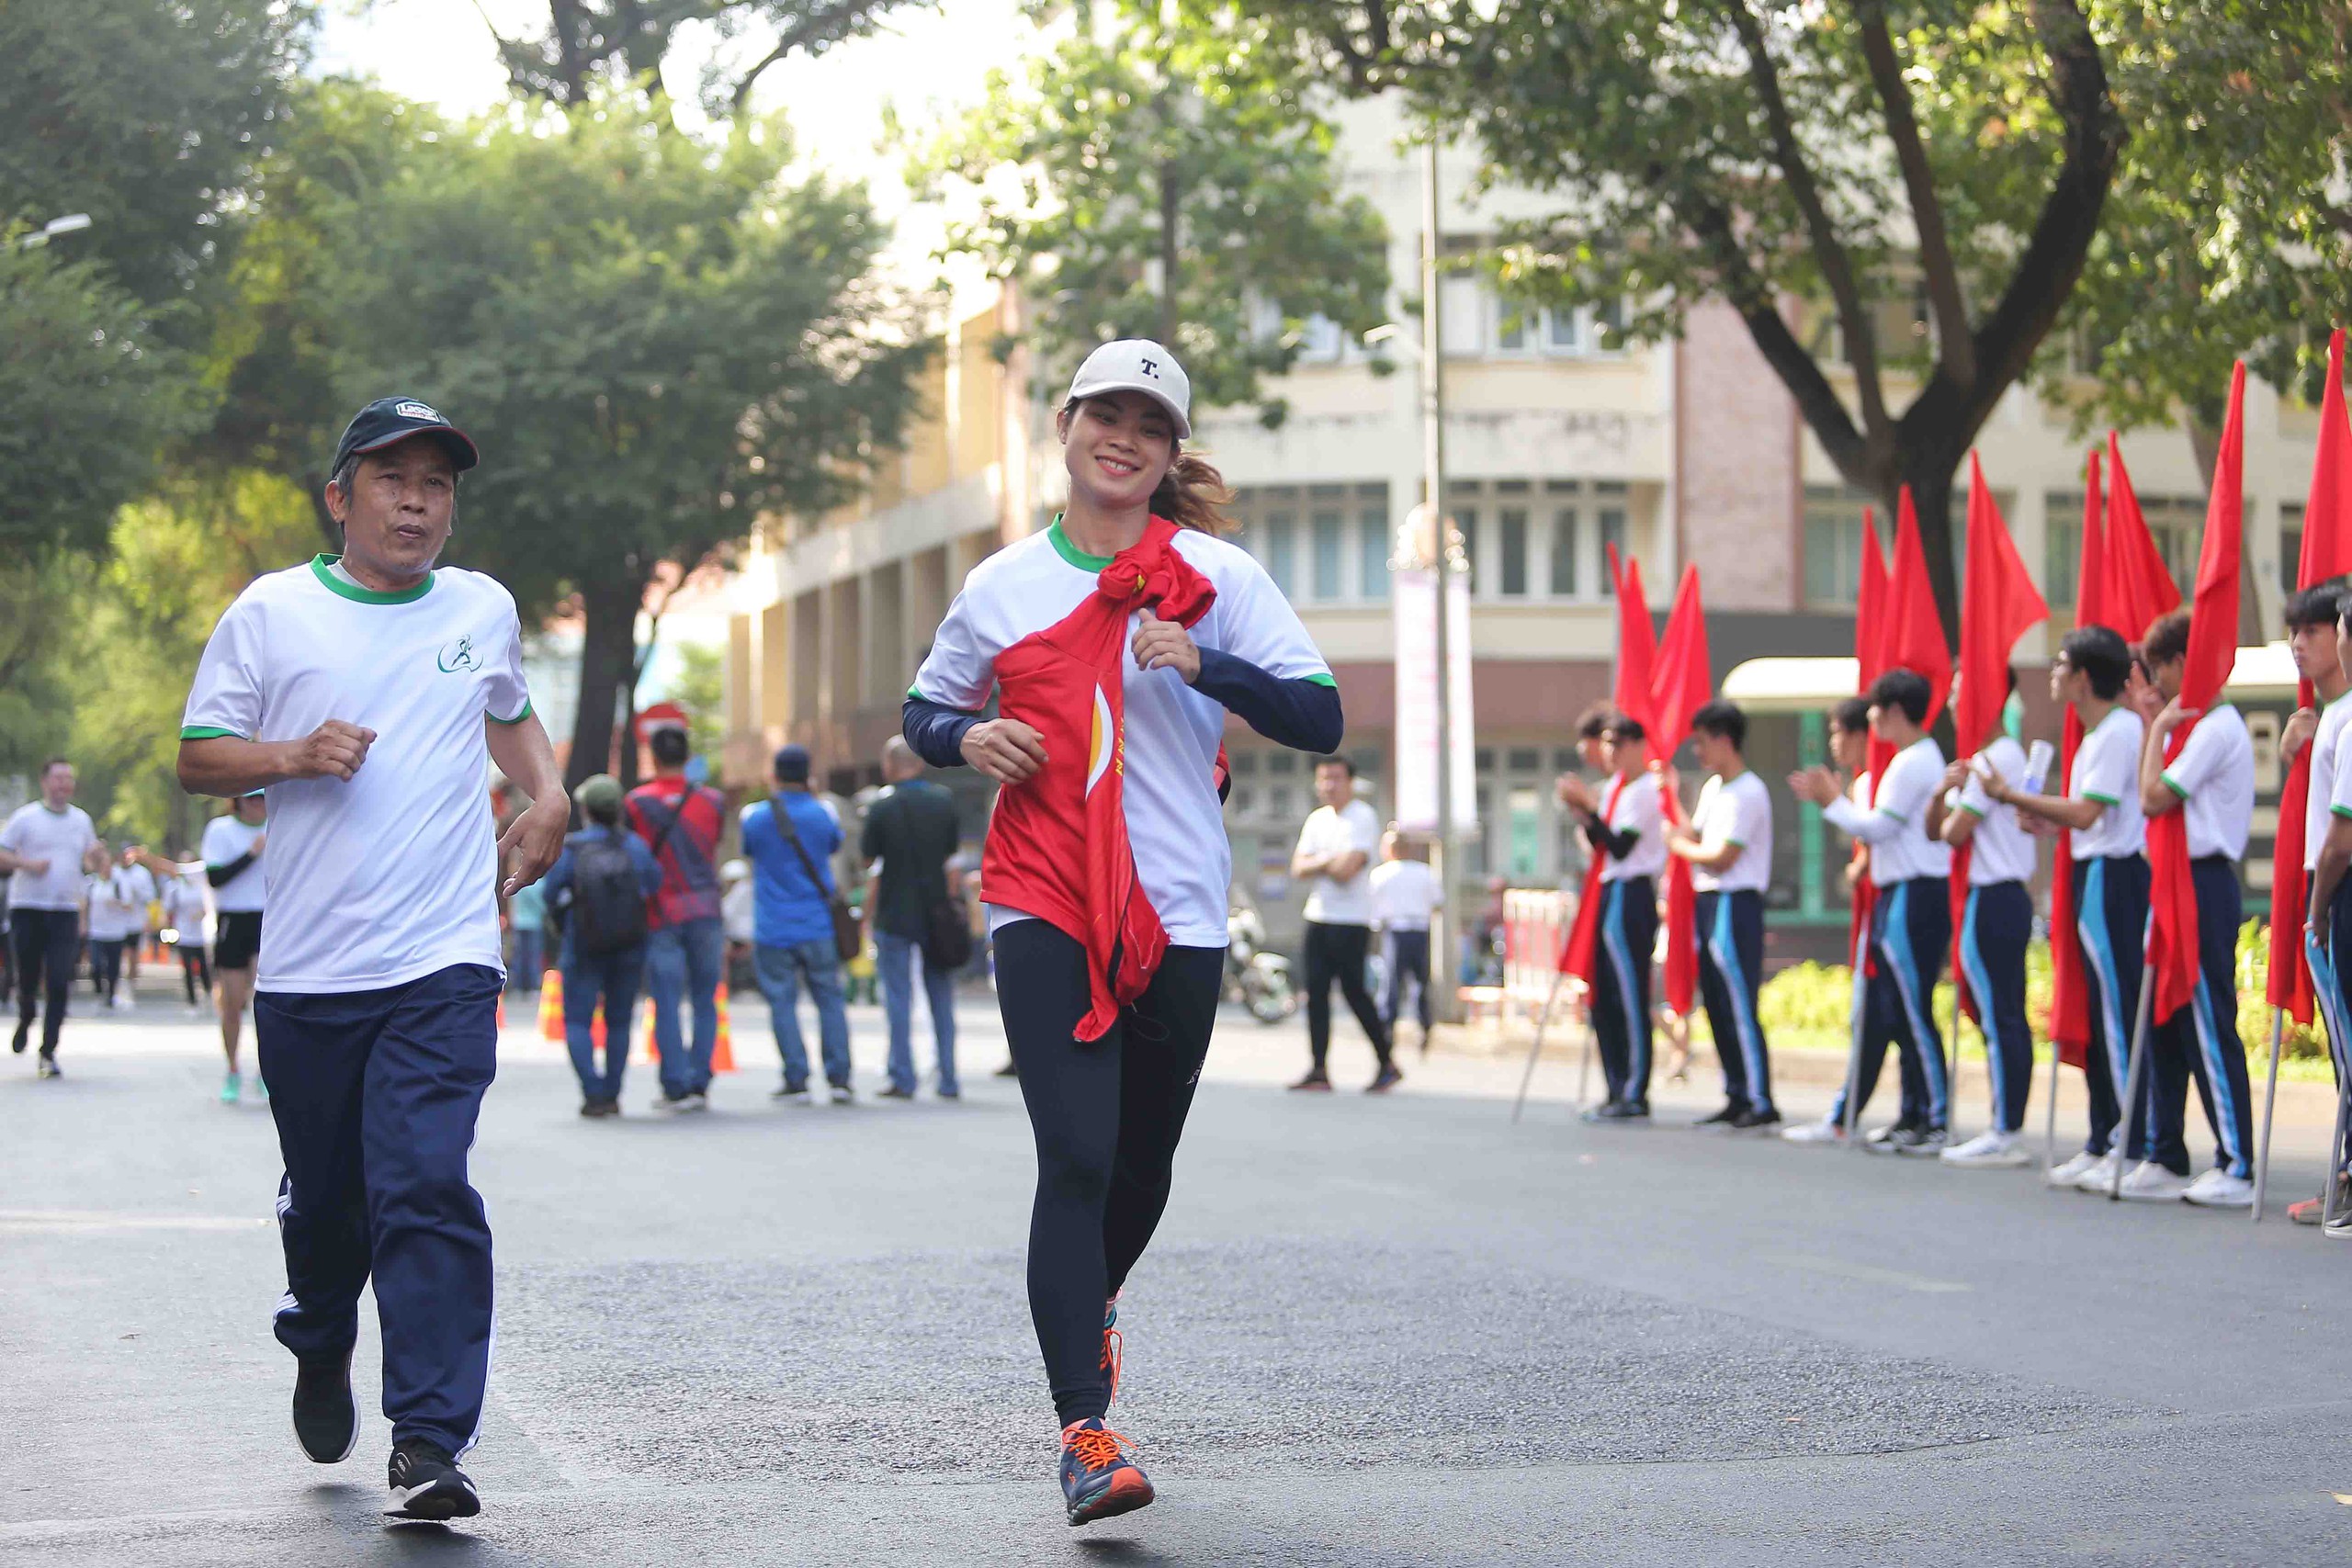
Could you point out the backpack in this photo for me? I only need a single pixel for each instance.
(606, 906)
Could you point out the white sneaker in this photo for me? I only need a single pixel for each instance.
(1989, 1151)
(2070, 1171)
(2217, 1189)
(2151, 1183)
(121, 1003)
(2100, 1177)
(1822, 1131)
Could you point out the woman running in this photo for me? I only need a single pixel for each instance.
(1116, 641)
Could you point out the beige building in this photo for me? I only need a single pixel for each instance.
(1556, 446)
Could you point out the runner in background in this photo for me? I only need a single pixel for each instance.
(188, 914)
(118, 900)
(1404, 897)
(232, 849)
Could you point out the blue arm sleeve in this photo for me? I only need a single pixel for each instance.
(935, 730)
(1302, 715)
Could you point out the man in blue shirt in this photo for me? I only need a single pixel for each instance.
(791, 841)
(599, 886)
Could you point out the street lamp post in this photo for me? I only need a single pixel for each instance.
(71, 223)
(1442, 562)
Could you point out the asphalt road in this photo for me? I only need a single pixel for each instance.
(1372, 1331)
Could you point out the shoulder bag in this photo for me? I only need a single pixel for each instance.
(848, 941)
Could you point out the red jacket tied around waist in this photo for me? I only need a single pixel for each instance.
(1058, 846)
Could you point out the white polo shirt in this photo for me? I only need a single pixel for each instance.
(1739, 812)
(2000, 850)
(1896, 826)
(1637, 806)
(393, 875)
(1403, 895)
(227, 842)
(119, 900)
(2214, 775)
(61, 837)
(2327, 740)
(2106, 769)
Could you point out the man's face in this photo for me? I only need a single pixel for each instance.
(249, 809)
(1713, 750)
(1593, 752)
(2066, 684)
(2315, 650)
(1333, 786)
(2343, 647)
(57, 784)
(1626, 753)
(396, 519)
(1850, 749)
(2167, 676)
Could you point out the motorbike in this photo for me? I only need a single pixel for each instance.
(1259, 980)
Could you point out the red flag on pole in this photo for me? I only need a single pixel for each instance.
(1637, 653)
(2138, 585)
(2213, 647)
(1998, 605)
(1680, 687)
(2327, 552)
(2070, 1022)
(1915, 638)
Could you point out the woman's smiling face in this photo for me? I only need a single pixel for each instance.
(1117, 446)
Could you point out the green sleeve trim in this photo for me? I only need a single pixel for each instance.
(2102, 799)
(1737, 843)
(1890, 811)
(1323, 681)
(1972, 810)
(2340, 810)
(210, 732)
(518, 718)
(916, 693)
(358, 595)
(2175, 785)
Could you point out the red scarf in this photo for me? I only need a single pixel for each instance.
(1058, 847)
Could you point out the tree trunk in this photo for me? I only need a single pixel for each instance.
(1929, 476)
(1171, 220)
(607, 659)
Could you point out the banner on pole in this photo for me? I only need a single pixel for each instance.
(1413, 606)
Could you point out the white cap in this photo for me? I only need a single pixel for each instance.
(1138, 365)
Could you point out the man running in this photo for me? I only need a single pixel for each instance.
(48, 846)
(232, 863)
(369, 694)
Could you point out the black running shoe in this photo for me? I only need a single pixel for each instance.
(1752, 1120)
(427, 1484)
(1722, 1118)
(326, 1421)
(1388, 1078)
(1315, 1082)
(22, 1038)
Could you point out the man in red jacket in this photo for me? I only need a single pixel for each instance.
(681, 822)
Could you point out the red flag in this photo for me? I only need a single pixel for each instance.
(1998, 605)
(2070, 1022)
(2213, 647)
(1915, 633)
(1637, 653)
(1680, 687)
(2327, 552)
(2138, 585)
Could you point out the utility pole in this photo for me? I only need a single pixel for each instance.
(1446, 942)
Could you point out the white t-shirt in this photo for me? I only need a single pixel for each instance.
(1175, 823)
(227, 842)
(1896, 826)
(391, 875)
(1403, 895)
(2106, 769)
(1329, 901)
(2000, 850)
(1738, 813)
(61, 838)
(2327, 740)
(2214, 775)
(1637, 809)
(118, 900)
(188, 910)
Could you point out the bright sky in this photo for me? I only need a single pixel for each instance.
(925, 62)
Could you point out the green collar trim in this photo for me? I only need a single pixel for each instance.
(1071, 553)
(359, 595)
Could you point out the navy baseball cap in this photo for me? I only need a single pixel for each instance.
(388, 421)
(792, 764)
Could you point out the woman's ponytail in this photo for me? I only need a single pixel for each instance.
(1193, 495)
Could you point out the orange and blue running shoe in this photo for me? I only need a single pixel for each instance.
(1098, 1481)
(1111, 1348)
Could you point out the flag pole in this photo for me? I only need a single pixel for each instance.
(2131, 1082)
(1559, 978)
(2269, 1111)
(2328, 1210)
(1952, 1075)
(2050, 1115)
(1854, 1049)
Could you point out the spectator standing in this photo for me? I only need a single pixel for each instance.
(681, 822)
(791, 839)
(47, 847)
(599, 886)
(908, 836)
(1404, 895)
(232, 851)
(1334, 858)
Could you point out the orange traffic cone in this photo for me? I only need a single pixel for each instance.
(723, 1051)
(551, 1006)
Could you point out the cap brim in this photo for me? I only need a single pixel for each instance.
(459, 445)
(1156, 393)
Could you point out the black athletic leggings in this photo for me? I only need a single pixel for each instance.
(1106, 1116)
(196, 968)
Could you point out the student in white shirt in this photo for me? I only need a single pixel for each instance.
(1992, 935)
(1404, 895)
(369, 693)
(187, 913)
(1729, 842)
(1850, 745)
(2210, 784)
(47, 847)
(2313, 635)
(2100, 810)
(118, 898)
(1626, 826)
(1911, 919)
(1334, 859)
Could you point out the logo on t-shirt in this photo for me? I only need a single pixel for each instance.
(458, 655)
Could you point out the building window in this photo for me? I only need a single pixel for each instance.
(2176, 523)
(1372, 547)
(1328, 555)
(1281, 557)
(2062, 549)
(1567, 537)
(1513, 522)
(2290, 547)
